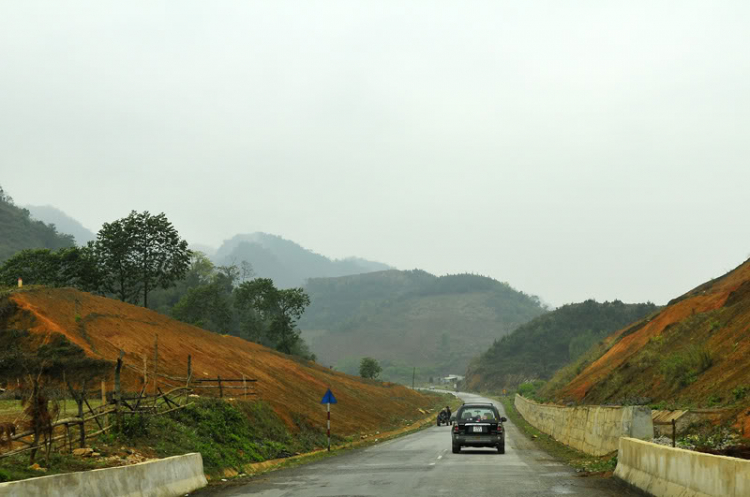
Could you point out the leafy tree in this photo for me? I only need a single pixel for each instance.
(201, 272)
(140, 253)
(161, 256)
(270, 314)
(208, 306)
(369, 368)
(76, 267)
(113, 247)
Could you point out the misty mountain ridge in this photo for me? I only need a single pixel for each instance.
(63, 222)
(287, 263)
(407, 319)
(21, 231)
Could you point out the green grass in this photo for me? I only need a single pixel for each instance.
(229, 435)
(17, 467)
(9, 408)
(583, 462)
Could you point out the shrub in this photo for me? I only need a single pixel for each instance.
(529, 389)
(740, 392)
(683, 368)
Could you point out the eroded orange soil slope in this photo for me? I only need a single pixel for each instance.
(696, 351)
(103, 326)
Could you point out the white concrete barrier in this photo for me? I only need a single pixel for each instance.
(168, 477)
(590, 429)
(666, 472)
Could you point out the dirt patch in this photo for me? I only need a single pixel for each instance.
(713, 320)
(292, 387)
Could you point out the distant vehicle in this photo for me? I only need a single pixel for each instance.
(478, 425)
(443, 418)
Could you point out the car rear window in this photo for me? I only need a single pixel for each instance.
(477, 414)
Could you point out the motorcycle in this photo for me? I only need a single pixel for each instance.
(443, 417)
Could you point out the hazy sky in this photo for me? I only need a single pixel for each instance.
(574, 149)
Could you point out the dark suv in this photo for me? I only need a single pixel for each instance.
(478, 425)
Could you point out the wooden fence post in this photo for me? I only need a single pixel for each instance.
(145, 370)
(156, 361)
(118, 390)
(244, 384)
(221, 390)
(189, 371)
(104, 393)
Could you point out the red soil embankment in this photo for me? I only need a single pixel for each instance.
(714, 318)
(102, 326)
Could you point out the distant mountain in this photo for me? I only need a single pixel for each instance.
(286, 262)
(63, 222)
(407, 319)
(537, 349)
(18, 230)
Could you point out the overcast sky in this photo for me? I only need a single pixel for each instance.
(573, 149)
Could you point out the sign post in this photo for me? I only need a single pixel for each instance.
(329, 399)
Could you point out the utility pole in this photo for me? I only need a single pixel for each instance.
(413, 376)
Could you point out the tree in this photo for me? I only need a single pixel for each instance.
(201, 272)
(113, 248)
(369, 368)
(161, 256)
(208, 306)
(75, 266)
(270, 315)
(139, 253)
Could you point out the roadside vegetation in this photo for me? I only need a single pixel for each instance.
(228, 434)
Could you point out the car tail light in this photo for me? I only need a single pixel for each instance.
(499, 428)
(455, 428)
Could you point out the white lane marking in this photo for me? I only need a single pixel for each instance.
(440, 457)
(432, 464)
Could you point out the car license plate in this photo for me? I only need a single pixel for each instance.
(477, 429)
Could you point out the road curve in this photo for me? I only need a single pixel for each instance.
(422, 464)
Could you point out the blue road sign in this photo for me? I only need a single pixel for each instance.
(328, 398)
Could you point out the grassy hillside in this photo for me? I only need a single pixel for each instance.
(540, 347)
(287, 263)
(694, 352)
(18, 230)
(292, 387)
(411, 318)
(63, 222)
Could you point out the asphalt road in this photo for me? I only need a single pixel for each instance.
(422, 464)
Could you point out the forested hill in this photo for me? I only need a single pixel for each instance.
(286, 262)
(63, 222)
(410, 318)
(20, 231)
(537, 349)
